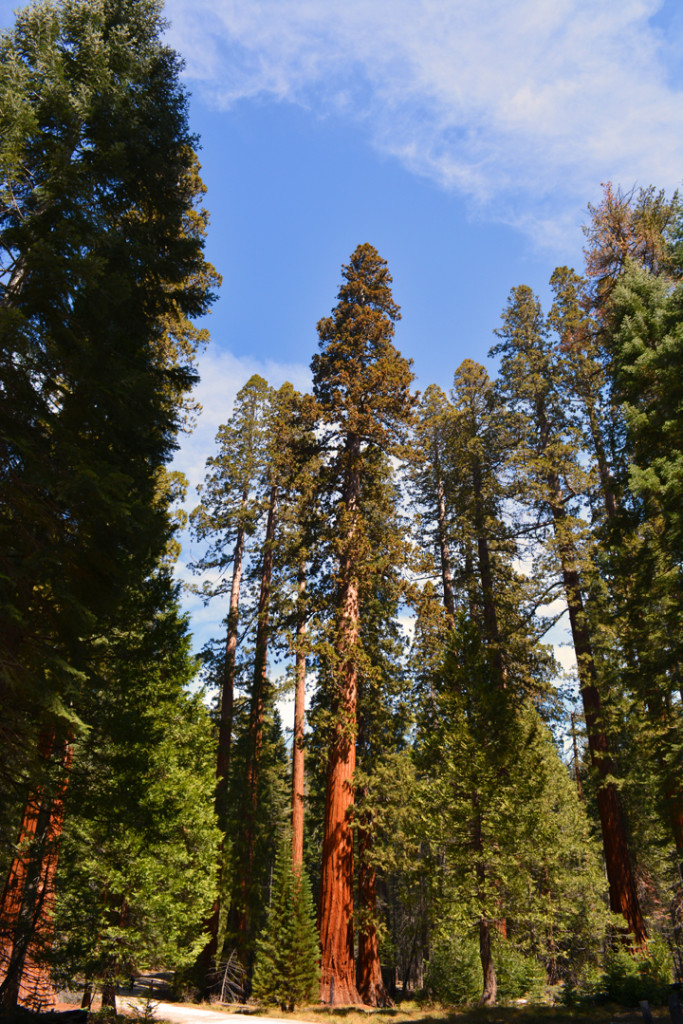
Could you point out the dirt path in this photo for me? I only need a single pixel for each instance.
(194, 1015)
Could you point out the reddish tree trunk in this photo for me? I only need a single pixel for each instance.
(338, 985)
(28, 896)
(622, 886)
(369, 970)
(335, 914)
(299, 721)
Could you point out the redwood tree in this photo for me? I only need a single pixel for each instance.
(362, 385)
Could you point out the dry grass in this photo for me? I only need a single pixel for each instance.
(414, 1013)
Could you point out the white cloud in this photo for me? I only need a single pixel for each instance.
(222, 376)
(522, 106)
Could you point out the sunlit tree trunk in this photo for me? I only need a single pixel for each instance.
(490, 983)
(335, 919)
(622, 885)
(207, 959)
(444, 551)
(369, 980)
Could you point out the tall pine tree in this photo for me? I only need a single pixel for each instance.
(362, 386)
(100, 267)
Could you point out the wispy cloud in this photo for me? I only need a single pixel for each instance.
(222, 376)
(518, 105)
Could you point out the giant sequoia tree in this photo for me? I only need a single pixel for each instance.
(100, 267)
(362, 385)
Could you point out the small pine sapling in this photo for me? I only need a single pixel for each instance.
(287, 970)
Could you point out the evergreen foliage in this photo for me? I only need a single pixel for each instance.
(286, 969)
(442, 824)
(137, 866)
(101, 270)
(362, 387)
(100, 267)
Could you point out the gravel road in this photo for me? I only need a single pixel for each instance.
(194, 1015)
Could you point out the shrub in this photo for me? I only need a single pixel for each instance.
(453, 974)
(518, 974)
(630, 977)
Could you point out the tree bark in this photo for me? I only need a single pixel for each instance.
(338, 984)
(256, 714)
(575, 748)
(490, 984)
(207, 958)
(109, 995)
(228, 687)
(299, 722)
(444, 547)
(622, 886)
(486, 575)
(369, 980)
(28, 896)
(606, 482)
(673, 792)
(490, 988)
(335, 913)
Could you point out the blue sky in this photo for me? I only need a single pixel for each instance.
(462, 138)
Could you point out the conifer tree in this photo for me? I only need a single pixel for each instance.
(361, 384)
(625, 554)
(429, 469)
(547, 457)
(253, 517)
(137, 870)
(100, 267)
(286, 970)
(382, 713)
(630, 226)
(277, 479)
(646, 540)
(486, 753)
(225, 520)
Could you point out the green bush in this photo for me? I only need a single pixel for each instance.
(518, 975)
(454, 977)
(585, 985)
(453, 974)
(630, 977)
(626, 978)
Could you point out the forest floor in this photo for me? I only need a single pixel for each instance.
(410, 1013)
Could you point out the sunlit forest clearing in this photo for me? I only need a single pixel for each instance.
(457, 828)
